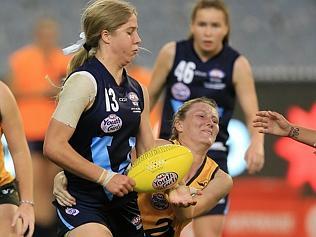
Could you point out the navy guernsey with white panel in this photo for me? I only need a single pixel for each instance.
(191, 78)
(106, 133)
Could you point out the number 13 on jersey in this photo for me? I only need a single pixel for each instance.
(111, 103)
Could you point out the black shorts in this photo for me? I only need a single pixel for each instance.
(122, 221)
(9, 194)
(36, 145)
(221, 208)
(220, 157)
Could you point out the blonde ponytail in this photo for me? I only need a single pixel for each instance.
(78, 59)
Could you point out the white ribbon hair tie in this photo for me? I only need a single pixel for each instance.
(76, 46)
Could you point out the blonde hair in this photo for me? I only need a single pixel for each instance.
(98, 16)
(181, 113)
(216, 4)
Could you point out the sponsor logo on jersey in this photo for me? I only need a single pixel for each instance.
(165, 180)
(137, 222)
(180, 91)
(200, 73)
(111, 124)
(203, 183)
(215, 82)
(217, 73)
(135, 101)
(72, 211)
(159, 201)
(122, 99)
(133, 97)
(7, 191)
(136, 109)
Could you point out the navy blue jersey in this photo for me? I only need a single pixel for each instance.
(106, 133)
(191, 78)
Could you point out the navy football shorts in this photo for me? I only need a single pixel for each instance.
(122, 221)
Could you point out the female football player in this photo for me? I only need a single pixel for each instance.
(16, 194)
(195, 126)
(101, 115)
(206, 65)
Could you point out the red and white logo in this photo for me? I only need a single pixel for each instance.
(137, 222)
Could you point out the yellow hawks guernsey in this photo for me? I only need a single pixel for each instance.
(157, 214)
(5, 176)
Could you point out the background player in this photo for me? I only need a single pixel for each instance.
(205, 65)
(101, 115)
(16, 195)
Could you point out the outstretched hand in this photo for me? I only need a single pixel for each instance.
(182, 196)
(270, 122)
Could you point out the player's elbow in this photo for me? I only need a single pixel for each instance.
(47, 149)
(227, 183)
(50, 150)
(224, 182)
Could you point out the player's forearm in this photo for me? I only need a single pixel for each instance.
(256, 136)
(24, 176)
(153, 96)
(207, 202)
(253, 131)
(67, 158)
(304, 135)
(184, 213)
(217, 188)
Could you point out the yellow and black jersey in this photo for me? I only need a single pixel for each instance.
(199, 181)
(157, 214)
(5, 176)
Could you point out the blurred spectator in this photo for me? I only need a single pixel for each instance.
(140, 73)
(35, 70)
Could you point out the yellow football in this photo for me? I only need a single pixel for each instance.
(161, 168)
